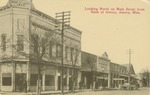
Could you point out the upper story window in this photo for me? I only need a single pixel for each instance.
(77, 52)
(3, 42)
(66, 52)
(58, 50)
(34, 40)
(50, 49)
(43, 45)
(20, 24)
(71, 54)
(20, 42)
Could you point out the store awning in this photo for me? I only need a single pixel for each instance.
(123, 75)
(101, 77)
(134, 77)
(118, 79)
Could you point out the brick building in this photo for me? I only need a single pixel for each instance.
(19, 22)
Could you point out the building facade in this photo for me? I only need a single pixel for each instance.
(107, 74)
(88, 68)
(119, 75)
(144, 78)
(103, 71)
(23, 30)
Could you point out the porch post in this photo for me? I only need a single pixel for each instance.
(43, 82)
(79, 78)
(13, 76)
(68, 79)
(28, 76)
(56, 79)
(109, 80)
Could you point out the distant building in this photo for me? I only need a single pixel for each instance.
(131, 73)
(144, 78)
(18, 21)
(106, 74)
(119, 74)
(88, 68)
(103, 71)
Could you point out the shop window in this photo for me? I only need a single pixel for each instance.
(34, 78)
(49, 80)
(6, 79)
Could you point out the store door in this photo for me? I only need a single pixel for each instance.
(59, 83)
(20, 82)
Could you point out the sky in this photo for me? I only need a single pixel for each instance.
(108, 32)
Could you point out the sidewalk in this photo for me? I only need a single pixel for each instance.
(42, 93)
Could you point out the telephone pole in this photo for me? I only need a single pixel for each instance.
(63, 19)
(129, 65)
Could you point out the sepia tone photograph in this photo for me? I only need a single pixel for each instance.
(74, 47)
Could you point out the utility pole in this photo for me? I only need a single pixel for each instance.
(129, 65)
(64, 19)
(12, 57)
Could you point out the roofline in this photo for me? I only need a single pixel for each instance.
(55, 20)
(51, 18)
(89, 53)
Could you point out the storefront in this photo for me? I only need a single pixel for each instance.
(87, 79)
(102, 80)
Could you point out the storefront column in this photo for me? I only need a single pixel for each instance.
(109, 80)
(118, 82)
(28, 76)
(0, 77)
(43, 77)
(79, 78)
(56, 79)
(68, 79)
(85, 81)
(13, 75)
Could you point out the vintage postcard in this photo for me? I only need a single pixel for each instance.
(75, 47)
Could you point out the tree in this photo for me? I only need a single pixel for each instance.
(75, 54)
(40, 42)
(146, 78)
(39, 39)
(91, 59)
